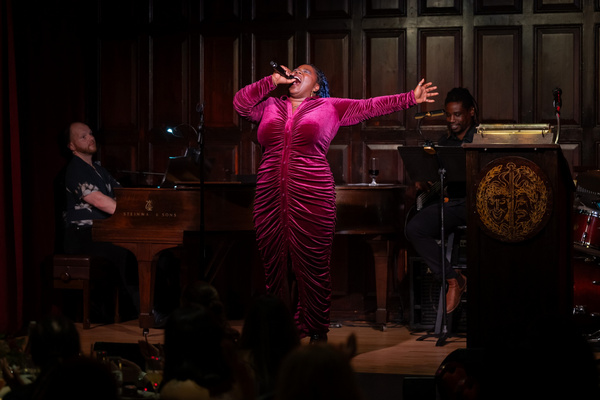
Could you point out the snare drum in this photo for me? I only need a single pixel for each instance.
(586, 225)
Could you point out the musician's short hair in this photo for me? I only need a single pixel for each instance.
(463, 96)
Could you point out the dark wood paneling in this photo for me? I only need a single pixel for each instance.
(558, 65)
(391, 169)
(439, 61)
(385, 69)
(596, 82)
(118, 86)
(440, 7)
(385, 8)
(329, 9)
(220, 80)
(277, 47)
(544, 6)
(273, 10)
(498, 6)
(338, 157)
(330, 51)
(170, 79)
(498, 74)
(221, 10)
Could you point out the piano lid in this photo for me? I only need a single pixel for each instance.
(184, 170)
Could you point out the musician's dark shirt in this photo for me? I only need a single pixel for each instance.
(82, 179)
(456, 190)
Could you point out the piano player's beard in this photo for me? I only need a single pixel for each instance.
(88, 150)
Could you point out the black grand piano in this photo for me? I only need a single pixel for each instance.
(149, 220)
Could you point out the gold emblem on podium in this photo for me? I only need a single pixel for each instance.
(513, 199)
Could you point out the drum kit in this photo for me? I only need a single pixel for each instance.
(586, 217)
(586, 260)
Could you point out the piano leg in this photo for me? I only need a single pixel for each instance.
(381, 246)
(147, 256)
(146, 271)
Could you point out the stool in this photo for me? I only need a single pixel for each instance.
(458, 260)
(78, 272)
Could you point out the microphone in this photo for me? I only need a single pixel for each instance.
(557, 103)
(280, 70)
(435, 113)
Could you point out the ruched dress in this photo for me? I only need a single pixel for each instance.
(294, 207)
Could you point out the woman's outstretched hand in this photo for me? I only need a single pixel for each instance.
(424, 92)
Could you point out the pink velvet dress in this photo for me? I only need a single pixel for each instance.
(294, 208)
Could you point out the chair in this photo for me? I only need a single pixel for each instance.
(80, 272)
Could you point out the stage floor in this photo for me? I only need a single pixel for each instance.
(394, 350)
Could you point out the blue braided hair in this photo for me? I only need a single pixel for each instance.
(323, 83)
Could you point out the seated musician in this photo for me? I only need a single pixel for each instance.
(423, 230)
(90, 196)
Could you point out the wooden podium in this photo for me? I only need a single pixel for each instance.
(519, 239)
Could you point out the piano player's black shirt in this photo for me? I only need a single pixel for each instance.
(82, 179)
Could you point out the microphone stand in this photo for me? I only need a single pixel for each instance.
(200, 111)
(443, 334)
(429, 148)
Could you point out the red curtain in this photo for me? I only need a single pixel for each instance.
(11, 205)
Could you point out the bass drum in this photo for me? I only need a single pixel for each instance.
(586, 225)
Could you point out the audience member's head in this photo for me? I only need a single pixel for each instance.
(78, 378)
(317, 372)
(269, 334)
(52, 340)
(203, 294)
(196, 348)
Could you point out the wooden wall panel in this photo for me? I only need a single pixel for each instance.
(440, 7)
(338, 157)
(273, 47)
(385, 8)
(118, 85)
(439, 61)
(330, 51)
(572, 153)
(385, 69)
(498, 74)
(273, 10)
(557, 64)
(220, 79)
(498, 6)
(222, 162)
(221, 10)
(329, 9)
(391, 169)
(169, 79)
(544, 6)
(596, 82)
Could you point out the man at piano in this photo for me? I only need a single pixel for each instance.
(423, 229)
(89, 196)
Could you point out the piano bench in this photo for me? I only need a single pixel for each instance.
(80, 272)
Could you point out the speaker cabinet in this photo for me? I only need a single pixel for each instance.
(425, 297)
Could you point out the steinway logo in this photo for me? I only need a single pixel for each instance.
(149, 214)
(149, 207)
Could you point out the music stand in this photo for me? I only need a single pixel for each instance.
(446, 164)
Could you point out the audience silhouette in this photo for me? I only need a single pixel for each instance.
(200, 357)
(269, 334)
(319, 372)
